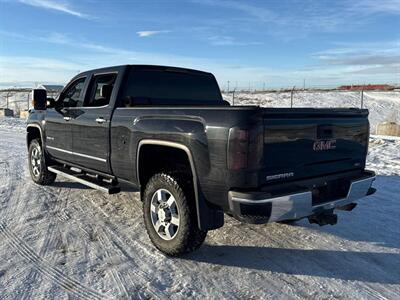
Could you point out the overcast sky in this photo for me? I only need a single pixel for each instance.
(276, 43)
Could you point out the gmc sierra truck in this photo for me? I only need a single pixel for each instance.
(168, 133)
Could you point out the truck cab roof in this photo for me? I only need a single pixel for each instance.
(147, 67)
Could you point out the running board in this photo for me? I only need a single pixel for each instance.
(85, 179)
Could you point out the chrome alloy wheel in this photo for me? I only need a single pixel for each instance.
(164, 214)
(36, 161)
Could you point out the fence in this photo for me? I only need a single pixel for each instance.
(230, 95)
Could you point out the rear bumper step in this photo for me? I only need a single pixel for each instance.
(262, 208)
(85, 179)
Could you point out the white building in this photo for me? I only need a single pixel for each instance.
(52, 89)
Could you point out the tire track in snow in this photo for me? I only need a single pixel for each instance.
(14, 165)
(5, 187)
(89, 235)
(79, 208)
(145, 260)
(21, 203)
(183, 265)
(108, 243)
(70, 285)
(9, 187)
(114, 273)
(50, 237)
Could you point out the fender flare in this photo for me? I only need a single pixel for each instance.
(40, 131)
(207, 218)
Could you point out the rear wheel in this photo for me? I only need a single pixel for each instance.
(170, 215)
(37, 164)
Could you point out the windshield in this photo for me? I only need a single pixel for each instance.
(170, 86)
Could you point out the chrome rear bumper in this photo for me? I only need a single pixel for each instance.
(292, 206)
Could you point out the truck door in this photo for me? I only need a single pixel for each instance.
(57, 127)
(91, 124)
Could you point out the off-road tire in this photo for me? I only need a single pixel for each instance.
(188, 237)
(44, 176)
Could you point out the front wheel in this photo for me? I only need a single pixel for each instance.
(37, 164)
(170, 215)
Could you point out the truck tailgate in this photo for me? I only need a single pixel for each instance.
(303, 143)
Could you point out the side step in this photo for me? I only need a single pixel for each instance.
(85, 179)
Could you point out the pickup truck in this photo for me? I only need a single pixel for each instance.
(168, 133)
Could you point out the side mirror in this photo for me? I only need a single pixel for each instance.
(39, 97)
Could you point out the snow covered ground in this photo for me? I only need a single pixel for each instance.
(12, 124)
(66, 241)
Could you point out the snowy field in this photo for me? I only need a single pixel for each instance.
(66, 241)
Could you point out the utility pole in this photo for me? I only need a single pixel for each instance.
(249, 87)
(291, 97)
(8, 95)
(362, 96)
(304, 84)
(228, 86)
(263, 86)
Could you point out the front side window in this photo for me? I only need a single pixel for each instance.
(101, 87)
(73, 96)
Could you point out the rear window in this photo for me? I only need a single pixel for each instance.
(169, 86)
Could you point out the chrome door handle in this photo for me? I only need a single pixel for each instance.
(100, 120)
(67, 118)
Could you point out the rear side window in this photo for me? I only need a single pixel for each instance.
(101, 87)
(169, 86)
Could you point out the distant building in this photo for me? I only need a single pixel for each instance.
(367, 87)
(51, 88)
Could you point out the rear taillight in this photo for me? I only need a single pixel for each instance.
(238, 148)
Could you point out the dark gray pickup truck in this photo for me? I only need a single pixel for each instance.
(168, 133)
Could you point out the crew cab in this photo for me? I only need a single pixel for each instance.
(168, 133)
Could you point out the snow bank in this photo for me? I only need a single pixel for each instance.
(384, 155)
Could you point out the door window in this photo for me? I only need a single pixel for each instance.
(73, 96)
(101, 87)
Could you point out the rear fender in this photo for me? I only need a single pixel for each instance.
(207, 217)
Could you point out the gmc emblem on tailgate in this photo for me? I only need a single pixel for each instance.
(324, 145)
